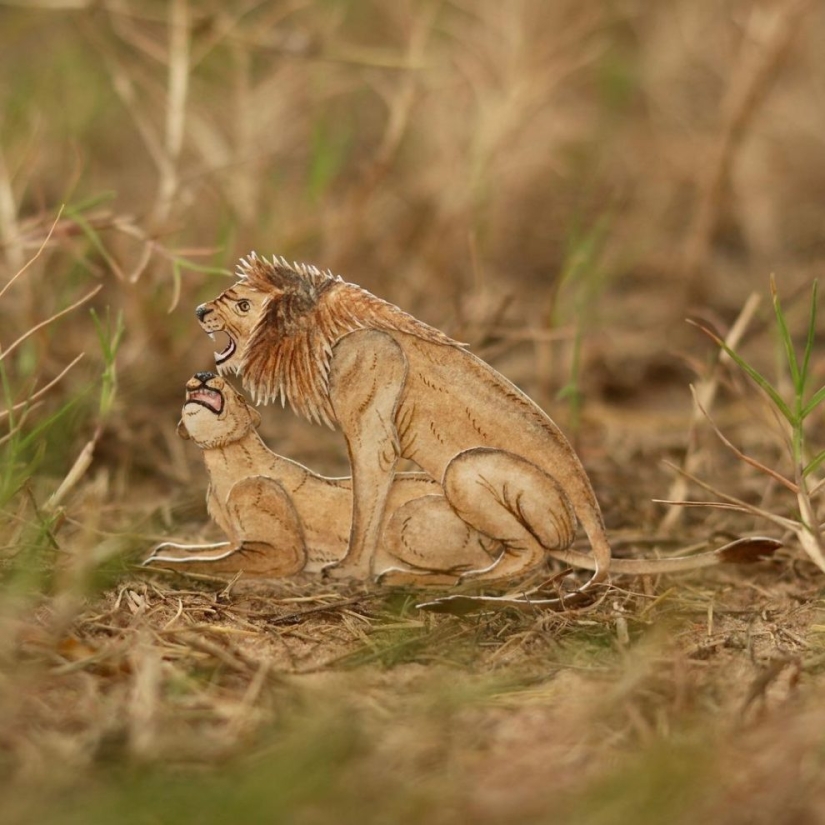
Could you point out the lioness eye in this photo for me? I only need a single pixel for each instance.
(243, 306)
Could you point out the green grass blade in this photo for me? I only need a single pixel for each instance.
(93, 237)
(109, 337)
(784, 333)
(206, 269)
(814, 463)
(73, 209)
(36, 434)
(817, 398)
(754, 375)
(809, 342)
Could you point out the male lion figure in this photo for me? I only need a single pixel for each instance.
(282, 519)
(398, 387)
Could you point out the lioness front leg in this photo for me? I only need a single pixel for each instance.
(174, 553)
(269, 532)
(367, 376)
(267, 536)
(511, 500)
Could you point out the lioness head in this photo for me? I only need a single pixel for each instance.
(215, 413)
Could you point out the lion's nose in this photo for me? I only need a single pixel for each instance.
(203, 377)
(202, 311)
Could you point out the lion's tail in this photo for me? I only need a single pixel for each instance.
(590, 517)
(742, 551)
(746, 550)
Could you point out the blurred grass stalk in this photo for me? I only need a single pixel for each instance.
(109, 338)
(705, 393)
(580, 284)
(25, 443)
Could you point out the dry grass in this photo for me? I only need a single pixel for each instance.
(560, 184)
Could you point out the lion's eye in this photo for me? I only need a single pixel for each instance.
(243, 306)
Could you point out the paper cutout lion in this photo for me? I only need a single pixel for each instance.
(397, 387)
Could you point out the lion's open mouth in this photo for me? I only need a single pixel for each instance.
(228, 351)
(206, 397)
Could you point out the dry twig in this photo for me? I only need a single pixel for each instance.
(704, 395)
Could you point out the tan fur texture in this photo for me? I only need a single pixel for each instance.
(397, 387)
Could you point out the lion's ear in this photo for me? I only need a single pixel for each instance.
(182, 431)
(255, 416)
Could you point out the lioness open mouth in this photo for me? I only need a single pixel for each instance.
(206, 397)
(228, 351)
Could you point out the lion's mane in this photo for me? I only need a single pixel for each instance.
(289, 352)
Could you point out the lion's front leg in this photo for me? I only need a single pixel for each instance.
(367, 376)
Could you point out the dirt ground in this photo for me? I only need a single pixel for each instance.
(560, 185)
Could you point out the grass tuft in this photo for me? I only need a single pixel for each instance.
(796, 412)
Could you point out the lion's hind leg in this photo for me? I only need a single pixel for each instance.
(514, 502)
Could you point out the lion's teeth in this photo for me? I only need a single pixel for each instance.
(211, 335)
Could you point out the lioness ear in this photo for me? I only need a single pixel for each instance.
(255, 416)
(182, 431)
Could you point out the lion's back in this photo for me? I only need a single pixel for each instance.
(454, 401)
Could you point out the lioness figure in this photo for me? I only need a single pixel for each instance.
(398, 387)
(281, 518)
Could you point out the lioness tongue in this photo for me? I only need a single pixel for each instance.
(211, 398)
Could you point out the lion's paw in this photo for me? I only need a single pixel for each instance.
(346, 571)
